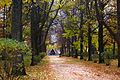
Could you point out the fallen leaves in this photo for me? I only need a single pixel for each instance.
(39, 72)
(63, 68)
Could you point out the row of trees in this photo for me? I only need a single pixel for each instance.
(90, 24)
(35, 15)
(82, 22)
(24, 19)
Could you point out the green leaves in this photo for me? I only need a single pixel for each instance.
(68, 33)
(76, 45)
(12, 46)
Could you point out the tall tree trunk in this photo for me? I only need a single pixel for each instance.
(81, 46)
(100, 42)
(76, 50)
(114, 50)
(118, 32)
(62, 49)
(39, 42)
(17, 35)
(72, 48)
(34, 31)
(99, 15)
(89, 44)
(68, 46)
(17, 20)
(81, 36)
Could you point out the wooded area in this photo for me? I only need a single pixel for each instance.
(84, 29)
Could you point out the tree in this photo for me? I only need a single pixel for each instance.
(34, 28)
(17, 33)
(114, 35)
(17, 20)
(99, 15)
(118, 31)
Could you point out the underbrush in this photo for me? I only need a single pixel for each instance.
(38, 58)
(12, 58)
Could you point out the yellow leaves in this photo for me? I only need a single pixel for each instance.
(5, 2)
(47, 0)
(76, 45)
(69, 5)
(28, 1)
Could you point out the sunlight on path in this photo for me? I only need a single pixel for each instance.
(65, 71)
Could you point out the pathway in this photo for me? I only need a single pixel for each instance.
(66, 69)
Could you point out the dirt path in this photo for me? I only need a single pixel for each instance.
(64, 69)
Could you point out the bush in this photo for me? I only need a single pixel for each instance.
(9, 53)
(27, 60)
(10, 46)
(42, 55)
(38, 58)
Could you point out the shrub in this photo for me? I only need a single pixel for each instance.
(38, 58)
(42, 55)
(12, 46)
(9, 50)
(27, 60)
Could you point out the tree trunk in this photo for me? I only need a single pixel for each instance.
(17, 20)
(76, 51)
(43, 47)
(72, 49)
(81, 36)
(62, 49)
(99, 15)
(17, 34)
(34, 32)
(68, 46)
(100, 42)
(34, 29)
(89, 44)
(118, 32)
(114, 50)
(118, 54)
(39, 41)
(116, 36)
